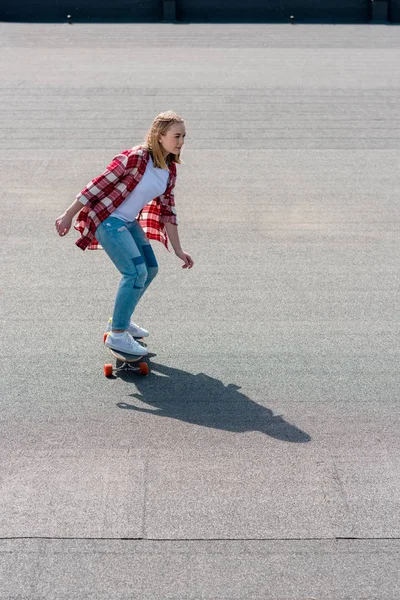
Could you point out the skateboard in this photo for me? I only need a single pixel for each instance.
(130, 362)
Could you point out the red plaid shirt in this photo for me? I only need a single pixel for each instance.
(107, 191)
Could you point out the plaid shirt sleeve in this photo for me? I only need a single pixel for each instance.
(103, 185)
(159, 211)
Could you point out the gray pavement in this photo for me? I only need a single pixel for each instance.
(260, 459)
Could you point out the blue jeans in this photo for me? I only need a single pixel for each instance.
(129, 249)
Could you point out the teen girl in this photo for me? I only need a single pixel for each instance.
(132, 201)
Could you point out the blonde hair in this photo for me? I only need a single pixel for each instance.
(160, 126)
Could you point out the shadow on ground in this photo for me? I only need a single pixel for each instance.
(205, 401)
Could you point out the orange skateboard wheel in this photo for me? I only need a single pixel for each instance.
(108, 370)
(144, 368)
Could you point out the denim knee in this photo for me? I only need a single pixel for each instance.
(141, 276)
(151, 274)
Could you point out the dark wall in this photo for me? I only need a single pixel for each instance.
(242, 11)
(273, 10)
(394, 11)
(81, 10)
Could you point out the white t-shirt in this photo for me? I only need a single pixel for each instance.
(152, 184)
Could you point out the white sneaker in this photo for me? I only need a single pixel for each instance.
(125, 343)
(134, 330)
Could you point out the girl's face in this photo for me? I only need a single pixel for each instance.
(174, 139)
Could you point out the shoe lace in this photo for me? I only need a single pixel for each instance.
(129, 340)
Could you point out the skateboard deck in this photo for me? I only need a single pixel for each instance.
(129, 362)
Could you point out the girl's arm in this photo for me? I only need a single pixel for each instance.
(63, 223)
(98, 188)
(172, 232)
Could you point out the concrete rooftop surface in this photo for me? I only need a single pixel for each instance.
(260, 459)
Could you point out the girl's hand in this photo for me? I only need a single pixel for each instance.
(63, 224)
(186, 259)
